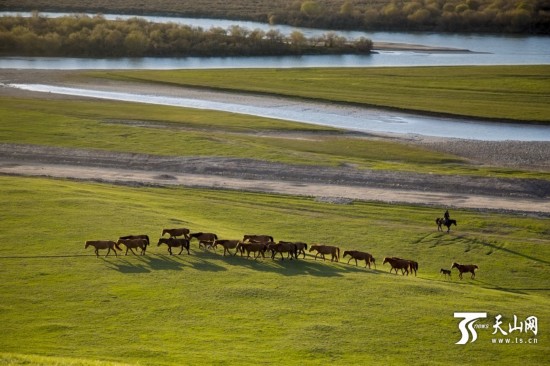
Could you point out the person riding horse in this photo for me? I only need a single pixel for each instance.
(446, 216)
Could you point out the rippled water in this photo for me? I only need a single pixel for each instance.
(346, 117)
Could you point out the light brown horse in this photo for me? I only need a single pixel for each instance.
(259, 248)
(463, 268)
(397, 263)
(326, 249)
(176, 232)
(283, 247)
(132, 244)
(358, 255)
(174, 243)
(258, 239)
(227, 244)
(103, 244)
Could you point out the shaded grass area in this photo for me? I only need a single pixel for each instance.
(203, 308)
(513, 93)
(171, 131)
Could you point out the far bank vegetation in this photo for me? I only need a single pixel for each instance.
(502, 16)
(94, 36)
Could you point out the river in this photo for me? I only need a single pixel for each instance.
(486, 50)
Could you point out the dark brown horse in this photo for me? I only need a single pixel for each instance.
(174, 243)
(283, 247)
(463, 268)
(300, 247)
(413, 265)
(445, 272)
(357, 255)
(258, 239)
(397, 263)
(441, 221)
(103, 244)
(205, 239)
(143, 236)
(326, 249)
(132, 244)
(227, 244)
(258, 248)
(176, 232)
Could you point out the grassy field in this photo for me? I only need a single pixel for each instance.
(517, 93)
(61, 305)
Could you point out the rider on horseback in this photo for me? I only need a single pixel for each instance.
(446, 216)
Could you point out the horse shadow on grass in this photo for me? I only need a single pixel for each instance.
(306, 266)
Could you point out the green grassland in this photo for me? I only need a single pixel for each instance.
(62, 305)
(514, 93)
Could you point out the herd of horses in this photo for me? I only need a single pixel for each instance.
(258, 246)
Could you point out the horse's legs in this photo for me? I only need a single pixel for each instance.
(96, 252)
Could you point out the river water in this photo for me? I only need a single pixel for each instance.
(486, 50)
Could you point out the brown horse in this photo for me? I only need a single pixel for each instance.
(441, 221)
(259, 248)
(144, 237)
(326, 249)
(176, 232)
(445, 272)
(413, 265)
(258, 239)
(103, 244)
(283, 247)
(206, 240)
(226, 244)
(174, 243)
(300, 247)
(463, 268)
(357, 255)
(397, 263)
(132, 244)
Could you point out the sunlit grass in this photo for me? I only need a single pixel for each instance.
(59, 300)
(518, 93)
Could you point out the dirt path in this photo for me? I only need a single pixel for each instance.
(331, 184)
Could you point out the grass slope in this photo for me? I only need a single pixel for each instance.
(60, 304)
(518, 93)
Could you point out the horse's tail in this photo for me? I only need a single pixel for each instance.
(117, 246)
(337, 254)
